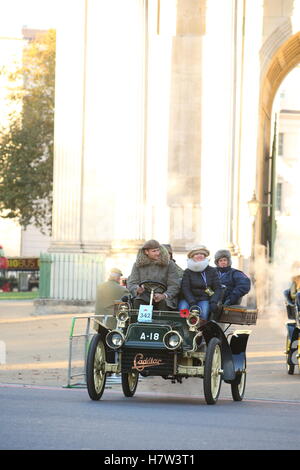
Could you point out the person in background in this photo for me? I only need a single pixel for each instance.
(107, 293)
(236, 283)
(292, 294)
(295, 289)
(200, 283)
(153, 263)
(168, 247)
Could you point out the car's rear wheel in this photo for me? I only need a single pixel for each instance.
(95, 368)
(212, 371)
(129, 383)
(238, 387)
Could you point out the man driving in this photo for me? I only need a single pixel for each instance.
(154, 264)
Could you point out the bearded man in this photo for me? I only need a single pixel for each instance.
(153, 263)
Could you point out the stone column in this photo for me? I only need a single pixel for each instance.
(216, 126)
(184, 153)
(99, 139)
(248, 121)
(174, 121)
(230, 97)
(69, 135)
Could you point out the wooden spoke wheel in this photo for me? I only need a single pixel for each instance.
(95, 368)
(129, 383)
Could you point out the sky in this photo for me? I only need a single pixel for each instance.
(38, 14)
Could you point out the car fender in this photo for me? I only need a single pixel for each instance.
(102, 331)
(211, 330)
(238, 345)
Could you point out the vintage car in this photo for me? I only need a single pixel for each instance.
(293, 332)
(171, 344)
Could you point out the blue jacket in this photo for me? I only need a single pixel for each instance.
(236, 282)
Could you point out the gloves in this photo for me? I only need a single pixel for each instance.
(195, 308)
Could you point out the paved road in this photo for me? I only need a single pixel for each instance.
(37, 354)
(46, 416)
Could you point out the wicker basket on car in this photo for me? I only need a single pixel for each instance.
(239, 315)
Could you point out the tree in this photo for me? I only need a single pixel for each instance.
(26, 145)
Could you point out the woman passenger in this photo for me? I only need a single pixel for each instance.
(200, 283)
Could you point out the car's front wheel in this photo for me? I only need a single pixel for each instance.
(95, 368)
(129, 383)
(212, 371)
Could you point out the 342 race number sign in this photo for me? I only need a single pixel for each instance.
(145, 313)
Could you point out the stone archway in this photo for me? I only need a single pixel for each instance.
(284, 59)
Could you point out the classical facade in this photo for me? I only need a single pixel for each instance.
(163, 123)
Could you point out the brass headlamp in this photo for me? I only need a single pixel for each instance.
(122, 315)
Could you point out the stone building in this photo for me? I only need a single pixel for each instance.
(164, 123)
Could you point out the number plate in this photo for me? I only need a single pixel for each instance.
(145, 313)
(150, 336)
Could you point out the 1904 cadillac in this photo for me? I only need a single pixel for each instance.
(172, 345)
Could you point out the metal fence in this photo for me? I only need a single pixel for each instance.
(79, 341)
(71, 276)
